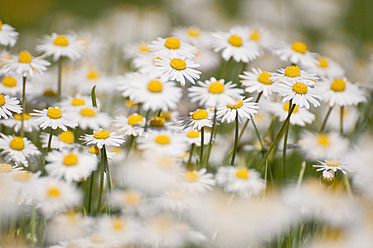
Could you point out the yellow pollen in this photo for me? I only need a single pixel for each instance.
(67, 137)
(157, 122)
(300, 88)
(131, 198)
(242, 173)
(92, 75)
(54, 192)
(1, 24)
(333, 163)
(9, 82)
(286, 108)
(167, 116)
(61, 41)
(162, 139)
(2, 100)
(172, 43)
(194, 32)
(338, 85)
(49, 93)
(130, 103)
(200, 114)
(255, 35)
(94, 150)
(178, 64)
(118, 224)
(23, 176)
(192, 134)
(216, 87)
(54, 113)
(101, 134)
(88, 112)
(323, 139)
(235, 106)
(143, 47)
(235, 40)
(155, 86)
(299, 47)
(70, 159)
(18, 117)
(292, 71)
(323, 63)
(191, 176)
(17, 143)
(264, 78)
(6, 168)
(77, 102)
(134, 119)
(25, 57)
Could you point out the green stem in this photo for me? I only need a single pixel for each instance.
(23, 107)
(59, 80)
(201, 148)
(301, 173)
(33, 224)
(132, 138)
(285, 144)
(326, 118)
(235, 140)
(48, 149)
(92, 179)
(213, 131)
(347, 183)
(146, 120)
(102, 167)
(257, 134)
(341, 120)
(191, 154)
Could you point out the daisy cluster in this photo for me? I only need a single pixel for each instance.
(194, 141)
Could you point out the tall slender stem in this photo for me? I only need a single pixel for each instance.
(59, 80)
(326, 118)
(102, 168)
(301, 173)
(190, 154)
(201, 148)
(213, 130)
(285, 144)
(347, 184)
(23, 107)
(235, 140)
(341, 120)
(146, 120)
(257, 134)
(48, 149)
(92, 179)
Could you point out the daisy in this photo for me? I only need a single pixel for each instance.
(8, 37)
(72, 166)
(236, 44)
(197, 181)
(16, 123)
(293, 74)
(297, 53)
(262, 38)
(133, 50)
(340, 91)
(66, 139)
(244, 108)
(86, 78)
(61, 45)
(177, 67)
(332, 165)
(127, 200)
(24, 64)
(241, 181)
(89, 117)
(257, 81)
(300, 116)
(326, 67)
(212, 93)
(131, 125)
(194, 137)
(167, 46)
(175, 200)
(102, 138)
(77, 102)
(18, 149)
(54, 118)
(9, 105)
(11, 85)
(350, 117)
(193, 35)
(197, 120)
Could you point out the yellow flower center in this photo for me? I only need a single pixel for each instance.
(1, 24)
(264, 78)
(94, 150)
(191, 176)
(255, 35)
(54, 113)
(242, 173)
(70, 159)
(67, 137)
(61, 41)
(77, 102)
(143, 47)
(200, 114)
(333, 163)
(6, 168)
(300, 88)
(162, 139)
(299, 47)
(338, 85)
(2, 100)
(23, 176)
(132, 198)
(134, 119)
(116, 150)
(172, 43)
(157, 122)
(286, 108)
(88, 112)
(166, 115)
(18, 117)
(192, 134)
(292, 71)
(235, 40)
(155, 86)
(54, 192)
(323, 63)
(92, 75)
(323, 139)
(235, 106)
(178, 64)
(25, 57)
(17, 143)
(194, 32)
(130, 103)
(9, 82)
(118, 224)
(216, 87)
(49, 93)
(101, 134)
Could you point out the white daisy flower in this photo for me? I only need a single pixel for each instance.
(332, 165)
(300, 116)
(197, 119)
(8, 169)
(16, 123)
(193, 35)
(236, 44)
(9, 105)
(326, 67)
(293, 74)
(86, 78)
(77, 102)
(197, 181)
(18, 149)
(11, 85)
(54, 118)
(194, 137)
(131, 125)
(257, 81)
(340, 91)
(262, 38)
(167, 46)
(212, 93)
(102, 138)
(24, 65)
(89, 117)
(127, 200)
(72, 166)
(145, 63)
(175, 200)
(131, 51)
(242, 181)
(244, 108)
(61, 46)
(65, 140)
(177, 67)
(297, 53)
(8, 35)
(206, 58)
(350, 117)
